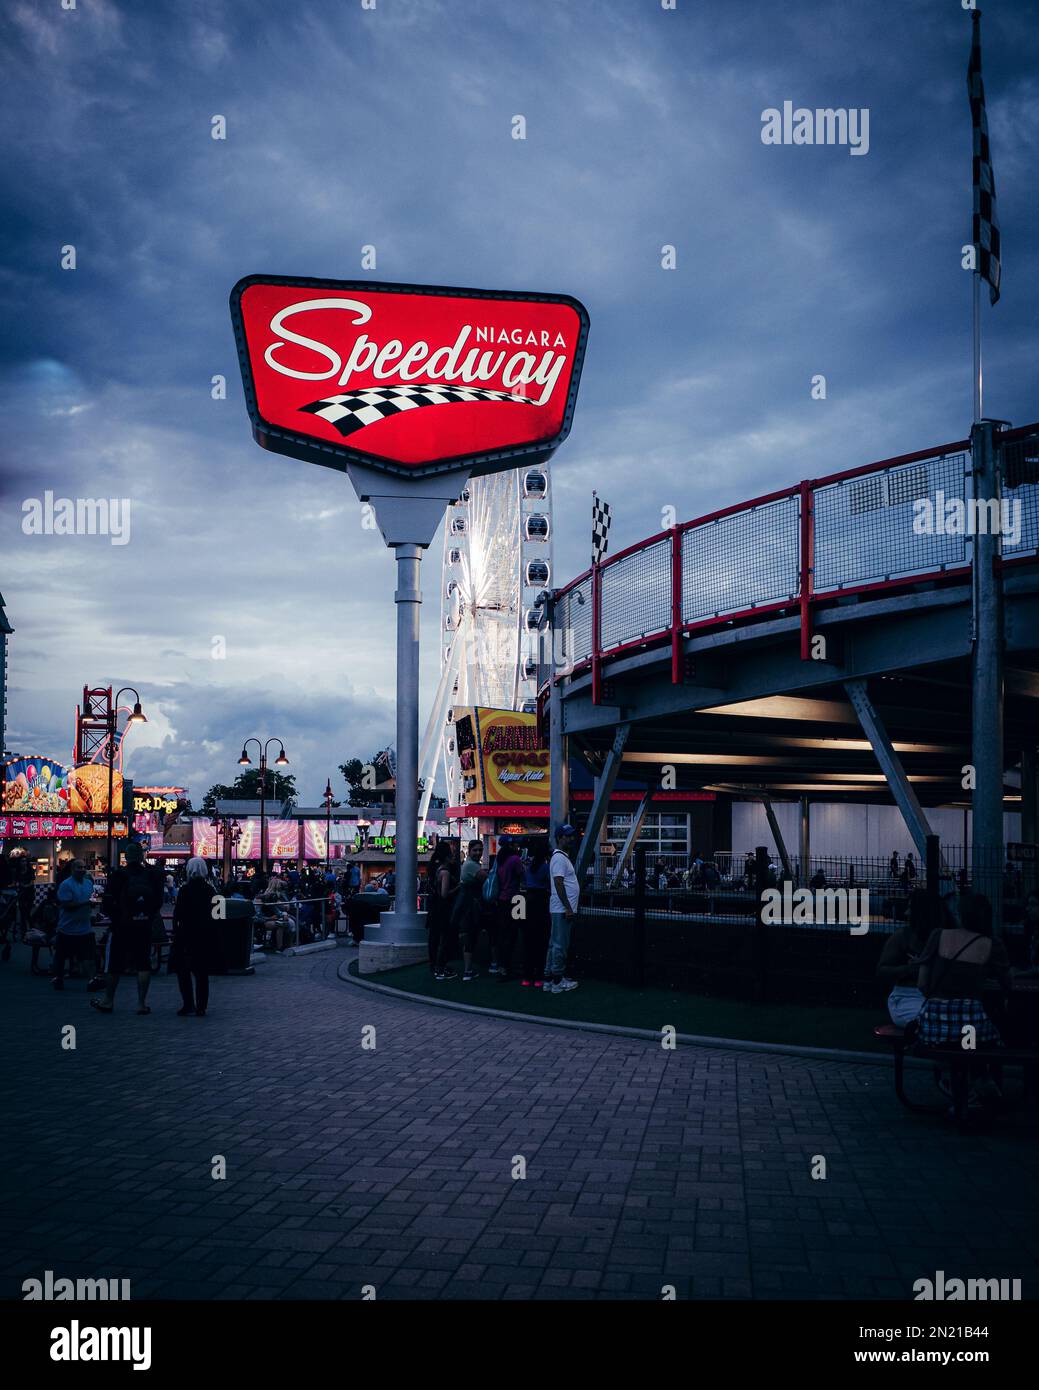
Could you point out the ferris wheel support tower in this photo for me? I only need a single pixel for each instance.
(497, 558)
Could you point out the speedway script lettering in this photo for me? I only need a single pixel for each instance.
(407, 379)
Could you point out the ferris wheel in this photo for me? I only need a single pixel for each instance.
(497, 559)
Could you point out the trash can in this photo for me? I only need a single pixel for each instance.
(365, 908)
(235, 937)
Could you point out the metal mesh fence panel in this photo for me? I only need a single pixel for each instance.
(1021, 490)
(742, 560)
(574, 624)
(869, 529)
(636, 595)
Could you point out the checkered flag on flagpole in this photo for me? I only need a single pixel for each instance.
(601, 518)
(985, 225)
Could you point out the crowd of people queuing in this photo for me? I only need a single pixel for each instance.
(525, 904)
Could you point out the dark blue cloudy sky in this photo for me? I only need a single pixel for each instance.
(392, 126)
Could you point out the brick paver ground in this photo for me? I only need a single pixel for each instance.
(393, 1167)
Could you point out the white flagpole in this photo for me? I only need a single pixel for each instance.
(977, 346)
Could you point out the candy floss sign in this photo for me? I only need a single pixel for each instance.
(407, 379)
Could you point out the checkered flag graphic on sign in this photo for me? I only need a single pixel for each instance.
(985, 225)
(601, 518)
(354, 410)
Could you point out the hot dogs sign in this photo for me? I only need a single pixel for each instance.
(407, 379)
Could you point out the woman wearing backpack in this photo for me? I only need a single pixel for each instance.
(465, 917)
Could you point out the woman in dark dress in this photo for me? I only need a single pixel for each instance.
(441, 883)
(194, 928)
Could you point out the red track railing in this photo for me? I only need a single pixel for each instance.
(847, 533)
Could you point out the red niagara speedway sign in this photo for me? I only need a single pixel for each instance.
(407, 379)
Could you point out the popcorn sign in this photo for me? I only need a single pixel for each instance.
(407, 379)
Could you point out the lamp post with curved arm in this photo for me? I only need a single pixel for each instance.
(279, 761)
(137, 716)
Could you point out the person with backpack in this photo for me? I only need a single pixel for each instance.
(465, 916)
(133, 904)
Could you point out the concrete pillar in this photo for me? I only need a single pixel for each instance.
(1030, 795)
(559, 763)
(1030, 813)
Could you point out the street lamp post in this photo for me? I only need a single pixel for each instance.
(279, 761)
(136, 717)
(232, 832)
(328, 824)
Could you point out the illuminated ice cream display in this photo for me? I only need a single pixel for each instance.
(36, 784)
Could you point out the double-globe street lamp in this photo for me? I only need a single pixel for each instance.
(279, 761)
(137, 716)
(232, 834)
(328, 824)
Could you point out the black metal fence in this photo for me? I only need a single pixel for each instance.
(678, 922)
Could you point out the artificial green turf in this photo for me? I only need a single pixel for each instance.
(598, 1001)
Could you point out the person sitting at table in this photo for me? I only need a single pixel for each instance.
(899, 963)
(1031, 930)
(955, 967)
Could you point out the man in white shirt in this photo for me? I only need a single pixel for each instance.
(562, 905)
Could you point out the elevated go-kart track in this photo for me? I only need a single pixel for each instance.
(810, 642)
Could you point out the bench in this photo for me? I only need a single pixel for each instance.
(958, 1061)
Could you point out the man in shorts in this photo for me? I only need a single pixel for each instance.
(132, 902)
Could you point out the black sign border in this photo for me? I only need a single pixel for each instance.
(300, 446)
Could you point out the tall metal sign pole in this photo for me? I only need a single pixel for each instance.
(987, 678)
(408, 515)
(410, 390)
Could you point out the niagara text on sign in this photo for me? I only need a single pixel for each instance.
(407, 379)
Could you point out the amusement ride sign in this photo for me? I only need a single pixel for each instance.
(407, 379)
(501, 758)
(410, 390)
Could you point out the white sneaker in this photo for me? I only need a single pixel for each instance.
(549, 988)
(565, 984)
